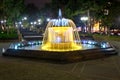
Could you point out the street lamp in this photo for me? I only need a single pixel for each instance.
(2, 21)
(24, 18)
(31, 23)
(48, 19)
(35, 22)
(39, 20)
(84, 19)
(20, 22)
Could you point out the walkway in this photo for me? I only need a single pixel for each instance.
(31, 69)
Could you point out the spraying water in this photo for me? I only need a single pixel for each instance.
(61, 35)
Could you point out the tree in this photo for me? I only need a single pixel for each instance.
(100, 10)
(108, 13)
(1, 9)
(31, 11)
(13, 9)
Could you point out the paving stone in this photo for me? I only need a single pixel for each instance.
(109, 71)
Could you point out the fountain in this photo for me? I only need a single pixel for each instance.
(61, 35)
(61, 41)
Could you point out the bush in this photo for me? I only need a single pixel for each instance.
(5, 35)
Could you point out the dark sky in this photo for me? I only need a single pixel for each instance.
(38, 3)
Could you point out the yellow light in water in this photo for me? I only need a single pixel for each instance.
(60, 39)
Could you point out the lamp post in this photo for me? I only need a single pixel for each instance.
(84, 19)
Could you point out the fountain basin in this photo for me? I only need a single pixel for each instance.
(90, 50)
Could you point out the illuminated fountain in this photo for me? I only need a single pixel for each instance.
(61, 41)
(61, 35)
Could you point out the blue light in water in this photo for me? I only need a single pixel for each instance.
(32, 43)
(84, 42)
(16, 47)
(19, 44)
(29, 43)
(89, 42)
(22, 44)
(39, 42)
(103, 46)
(60, 22)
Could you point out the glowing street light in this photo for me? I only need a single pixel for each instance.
(21, 25)
(84, 18)
(20, 22)
(2, 21)
(25, 18)
(39, 20)
(31, 23)
(5, 21)
(48, 19)
(35, 22)
(39, 23)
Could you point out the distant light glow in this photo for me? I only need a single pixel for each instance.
(35, 22)
(5, 21)
(2, 21)
(21, 25)
(31, 23)
(48, 19)
(39, 20)
(39, 23)
(84, 18)
(20, 22)
(25, 18)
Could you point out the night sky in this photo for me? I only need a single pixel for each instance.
(38, 3)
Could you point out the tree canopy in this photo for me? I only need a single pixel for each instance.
(12, 9)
